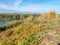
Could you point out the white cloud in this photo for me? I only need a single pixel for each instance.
(17, 3)
(29, 7)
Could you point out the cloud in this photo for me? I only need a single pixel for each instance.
(34, 8)
(14, 6)
(17, 3)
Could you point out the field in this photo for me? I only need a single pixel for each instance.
(31, 29)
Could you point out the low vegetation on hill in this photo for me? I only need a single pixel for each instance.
(43, 29)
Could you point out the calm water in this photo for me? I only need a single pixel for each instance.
(2, 23)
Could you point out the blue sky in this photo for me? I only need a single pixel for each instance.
(29, 6)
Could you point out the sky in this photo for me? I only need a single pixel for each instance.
(29, 6)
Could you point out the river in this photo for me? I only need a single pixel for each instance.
(2, 23)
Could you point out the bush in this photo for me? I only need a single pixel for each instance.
(25, 43)
(36, 42)
(2, 28)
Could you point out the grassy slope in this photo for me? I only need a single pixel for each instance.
(34, 31)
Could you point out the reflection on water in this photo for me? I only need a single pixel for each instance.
(2, 23)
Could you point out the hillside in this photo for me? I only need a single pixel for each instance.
(43, 29)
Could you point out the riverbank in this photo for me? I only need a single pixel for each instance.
(10, 24)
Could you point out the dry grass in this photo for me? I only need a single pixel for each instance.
(43, 30)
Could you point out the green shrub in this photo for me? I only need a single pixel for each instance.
(37, 42)
(25, 43)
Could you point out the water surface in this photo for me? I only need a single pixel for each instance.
(2, 23)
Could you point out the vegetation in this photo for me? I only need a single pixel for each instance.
(31, 29)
